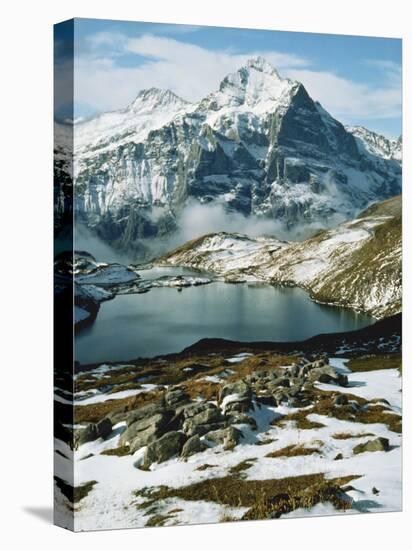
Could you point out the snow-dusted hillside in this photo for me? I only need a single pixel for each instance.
(357, 264)
(258, 145)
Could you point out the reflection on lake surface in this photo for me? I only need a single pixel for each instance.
(166, 321)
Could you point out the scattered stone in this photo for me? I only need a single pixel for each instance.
(164, 448)
(256, 376)
(341, 399)
(145, 411)
(204, 467)
(176, 422)
(176, 396)
(229, 437)
(267, 441)
(327, 375)
(93, 431)
(144, 431)
(373, 445)
(192, 446)
(84, 435)
(282, 397)
(269, 400)
(201, 418)
(232, 438)
(190, 428)
(238, 404)
(118, 416)
(104, 427)
(375, 491)
(283, 382)
(339, 456)
(241, 418)
(236, 397)
(196, 408)
(208, 416)
(240, 388)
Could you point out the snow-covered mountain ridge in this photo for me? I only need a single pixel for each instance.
(152, 109)
(376, 144)
(357, 264)
(259, 145)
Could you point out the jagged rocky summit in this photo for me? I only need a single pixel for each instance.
(259, 145)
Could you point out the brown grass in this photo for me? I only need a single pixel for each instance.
(204, 467)
(324, 406)
(242, 466)
(348, 435)
(293, 450)
(260, 362)
(126, 386)
(202, 388)
(96, 411)
(156, 521)
(119, 451)
(116, 376)
(264, 498)
(365, 264)
(301, 420)
(267, 441)
(368, 363)
(168, 372)
(227, 518)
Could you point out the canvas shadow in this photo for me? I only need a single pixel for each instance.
(44, 513)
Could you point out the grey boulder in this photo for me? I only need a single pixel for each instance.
(229, 437)
(192, 446)
(93, 431)
(373, 445)
(327, 375)
(144, 431)
(240, 387)
(164, 448)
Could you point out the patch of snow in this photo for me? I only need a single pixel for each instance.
(239, 357)
(378, 384)
(213, 379)
(102, 397)
(108, 275)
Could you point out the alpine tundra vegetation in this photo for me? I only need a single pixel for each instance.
(237, 309)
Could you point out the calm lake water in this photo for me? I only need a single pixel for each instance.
(165, 320)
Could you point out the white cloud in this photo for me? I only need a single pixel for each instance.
(188, 70)
(192, 72)
(351, 101)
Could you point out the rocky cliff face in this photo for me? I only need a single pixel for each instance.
(260, 145)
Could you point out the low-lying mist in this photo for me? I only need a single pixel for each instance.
(196, 220)
(199, 219)
(86, 240)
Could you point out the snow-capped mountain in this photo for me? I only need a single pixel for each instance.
(376, 144)
(259, 145)
(152, 109)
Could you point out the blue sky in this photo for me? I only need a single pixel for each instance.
(357, 79)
